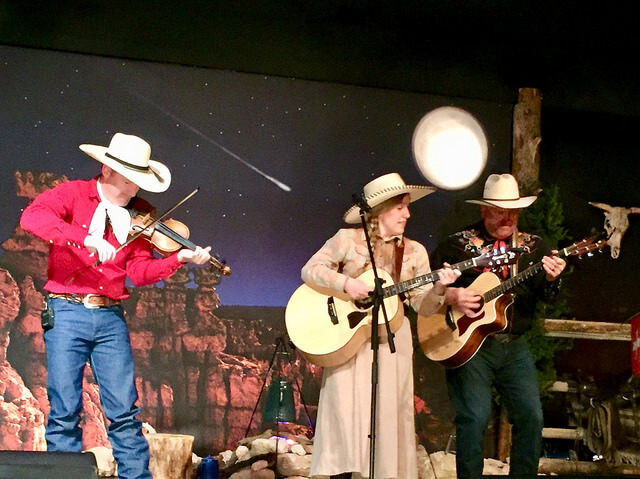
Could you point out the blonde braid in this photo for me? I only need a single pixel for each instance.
(371, 218)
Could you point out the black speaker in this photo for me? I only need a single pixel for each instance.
(47, 465)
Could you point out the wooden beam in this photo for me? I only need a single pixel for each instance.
(562, 433)
(563, 466)
(572, 328)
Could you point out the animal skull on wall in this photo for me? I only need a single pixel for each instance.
(616, 222)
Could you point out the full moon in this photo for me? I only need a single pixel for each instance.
(450, 148)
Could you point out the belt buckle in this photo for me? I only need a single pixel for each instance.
(85, 301)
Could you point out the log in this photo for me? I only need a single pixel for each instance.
(170, 455)
(572, 328)
(562, 433)
(504, 436)
(562, 466)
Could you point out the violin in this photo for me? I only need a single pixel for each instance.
(166, 236)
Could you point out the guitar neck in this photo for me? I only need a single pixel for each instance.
(519, 278)
(512, 282)
(432, 277)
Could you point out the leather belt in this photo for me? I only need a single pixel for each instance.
(90, 301)
(505, 337)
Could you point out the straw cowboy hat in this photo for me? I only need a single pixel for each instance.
(501, 191)
(130, 156)
(383, 188)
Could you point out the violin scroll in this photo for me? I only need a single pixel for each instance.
(220, 265)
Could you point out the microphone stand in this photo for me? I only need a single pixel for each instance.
(378, 302)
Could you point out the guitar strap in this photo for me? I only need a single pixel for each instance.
(513, 268)
(397, 267)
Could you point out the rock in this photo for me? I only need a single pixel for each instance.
(262, 464)
(294, 465)
(263, 446)
(242, 452)
(298, 449)
(263, 474)
(493, 467)
(107, 465)
(193, 469)
(425, 469)
(226, 458)
(241, 474)
(444, 465)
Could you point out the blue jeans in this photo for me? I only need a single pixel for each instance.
(510, 368)
(101, 337)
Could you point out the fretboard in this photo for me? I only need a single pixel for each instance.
(526, 274)
(512, 282)
(432, 277)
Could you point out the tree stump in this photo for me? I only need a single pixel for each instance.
(170, 455)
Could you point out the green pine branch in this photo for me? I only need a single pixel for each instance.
(545, 217)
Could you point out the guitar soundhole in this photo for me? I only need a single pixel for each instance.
(479, 308)
(365, 303)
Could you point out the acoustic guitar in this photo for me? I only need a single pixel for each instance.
(452, 338)
(330, 328)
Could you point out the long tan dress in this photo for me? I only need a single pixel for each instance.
(341, 443)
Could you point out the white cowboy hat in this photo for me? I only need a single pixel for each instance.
(130, 156)
(383, 188)
(501, 191)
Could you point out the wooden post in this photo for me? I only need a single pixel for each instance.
(504, 436)
(525, 166)
(526, 140)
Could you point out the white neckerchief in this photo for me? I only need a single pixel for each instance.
(119, 217)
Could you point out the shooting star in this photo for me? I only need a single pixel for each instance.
(197, 132)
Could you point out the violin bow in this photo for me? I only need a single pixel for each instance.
(138, 233)
(151, 225)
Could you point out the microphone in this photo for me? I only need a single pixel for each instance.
(360, 202)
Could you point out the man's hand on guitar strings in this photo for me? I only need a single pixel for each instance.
(465, 300)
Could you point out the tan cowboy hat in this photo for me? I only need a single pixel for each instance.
(130, 156)
(383, 188)
(502, 191)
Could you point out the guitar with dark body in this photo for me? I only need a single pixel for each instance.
(452, 338)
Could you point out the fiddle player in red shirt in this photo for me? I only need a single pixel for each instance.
(83, 222)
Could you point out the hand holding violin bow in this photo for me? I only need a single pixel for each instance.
(166, 236)
(172, 235)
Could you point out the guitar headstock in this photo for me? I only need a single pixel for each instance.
(494, 259)
(585, 247)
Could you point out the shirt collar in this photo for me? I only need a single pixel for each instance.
(397, 239)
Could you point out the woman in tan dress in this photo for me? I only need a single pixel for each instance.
(341, 445)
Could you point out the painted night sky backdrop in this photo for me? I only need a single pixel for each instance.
(277, 159)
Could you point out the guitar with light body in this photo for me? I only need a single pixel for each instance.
(329, 328)
(452, 338)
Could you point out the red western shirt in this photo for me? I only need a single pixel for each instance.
(61, 216)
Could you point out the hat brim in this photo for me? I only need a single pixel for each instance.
(506, 204)
(155, 180)
(352, 216)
